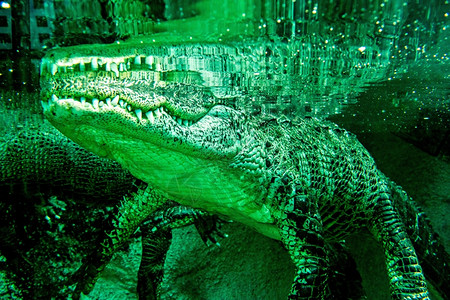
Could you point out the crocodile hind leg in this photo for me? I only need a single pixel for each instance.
(405, 274)
(301, 233)
(155, 245)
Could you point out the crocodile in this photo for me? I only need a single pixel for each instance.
(38, 162)
(306, 182)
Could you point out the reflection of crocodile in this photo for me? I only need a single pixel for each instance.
(305, 183)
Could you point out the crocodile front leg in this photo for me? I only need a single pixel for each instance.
(301, 233)
(132, 212)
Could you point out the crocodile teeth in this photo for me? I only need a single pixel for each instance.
(115, 100)
(115, 69)
(137, 60)
(53, 69)
(118, 65)
(149, 60)
(95, 103)
(158, 113)
(150, 117)
(138, 114)
(94, 64)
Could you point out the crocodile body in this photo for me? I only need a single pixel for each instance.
(306, 183)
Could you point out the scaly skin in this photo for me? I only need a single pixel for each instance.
(38, 163)
(305, 183)
(40, 159)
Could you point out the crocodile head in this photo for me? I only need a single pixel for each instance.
(120, 103)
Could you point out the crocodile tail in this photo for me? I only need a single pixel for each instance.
(433, 258)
